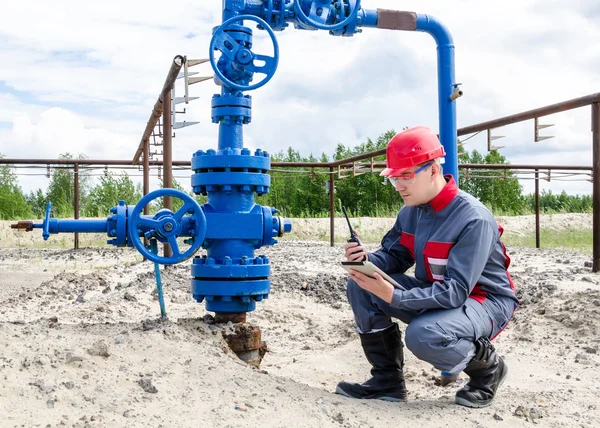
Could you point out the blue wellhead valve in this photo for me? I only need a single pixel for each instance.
(127, 227)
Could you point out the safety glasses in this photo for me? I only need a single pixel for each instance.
(408, 178)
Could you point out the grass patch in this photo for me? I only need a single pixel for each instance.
(579, 240)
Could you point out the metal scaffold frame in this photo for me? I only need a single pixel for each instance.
(360, 164)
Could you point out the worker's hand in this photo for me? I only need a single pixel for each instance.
(377, 285)
(354, 252)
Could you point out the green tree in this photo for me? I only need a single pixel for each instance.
(111, 189)
(12, 201)
(551, 203)
(363, 192)
(499, 190)
(301, 192)
(37, 202)
(61, 188)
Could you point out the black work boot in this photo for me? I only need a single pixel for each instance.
(383, 350)
(487, 371)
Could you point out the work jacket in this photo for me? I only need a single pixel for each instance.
(454, 243)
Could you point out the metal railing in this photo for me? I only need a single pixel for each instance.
(349, 165)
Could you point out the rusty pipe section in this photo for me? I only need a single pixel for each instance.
(396, 20)
(25, 225)
(596, 186)
(344, 162)
(246, 342)
(105, 162)
(157, 111)
(245, 339)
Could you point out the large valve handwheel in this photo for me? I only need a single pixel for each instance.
(302, 17)
(167, 227)
(241, 55)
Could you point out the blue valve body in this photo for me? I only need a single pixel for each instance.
(230, 278)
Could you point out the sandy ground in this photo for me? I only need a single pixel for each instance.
(80, 344)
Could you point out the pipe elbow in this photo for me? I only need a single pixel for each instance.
(431, 25)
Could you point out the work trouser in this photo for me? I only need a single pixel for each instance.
(443, 337)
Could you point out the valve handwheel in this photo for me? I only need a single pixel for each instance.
(302, 17)
(167, 227)
(241, 55)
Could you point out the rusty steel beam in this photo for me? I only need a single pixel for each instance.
(76, 200)
(324, 165)
(596, 186)
(532, 114)
(331, 205)
(301, 164)
(537, 208)
(159, 105)
(167, 142)
(357, 158)
(106, 162)
(503, 121)
(146, 180)
(526, 167)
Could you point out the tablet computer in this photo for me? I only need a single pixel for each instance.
(369, 268)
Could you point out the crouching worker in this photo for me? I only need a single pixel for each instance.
(461, 296)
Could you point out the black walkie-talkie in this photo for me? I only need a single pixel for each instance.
(353, 237)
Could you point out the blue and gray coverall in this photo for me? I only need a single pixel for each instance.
(461, 290)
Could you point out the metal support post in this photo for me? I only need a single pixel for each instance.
(596, 185)
(146, 187)
(167, 157)
(76, 200)
(331, 207)
(537, 208)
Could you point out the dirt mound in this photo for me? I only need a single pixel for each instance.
(83, 346)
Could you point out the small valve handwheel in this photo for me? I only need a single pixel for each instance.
(167, 226)
(242, 56)
(304, 18)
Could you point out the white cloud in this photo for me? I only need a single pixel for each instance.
(83, 77)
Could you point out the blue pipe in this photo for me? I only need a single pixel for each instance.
(445, 70)
(231, 134)
(74, 226)
(446, 76)
(368, 18)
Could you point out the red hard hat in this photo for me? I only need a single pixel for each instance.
(411, 147)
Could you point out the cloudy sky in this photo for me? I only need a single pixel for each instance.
(82, 77)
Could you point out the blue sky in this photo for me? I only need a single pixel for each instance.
(82, 77)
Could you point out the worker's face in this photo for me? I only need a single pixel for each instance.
(414, 185)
